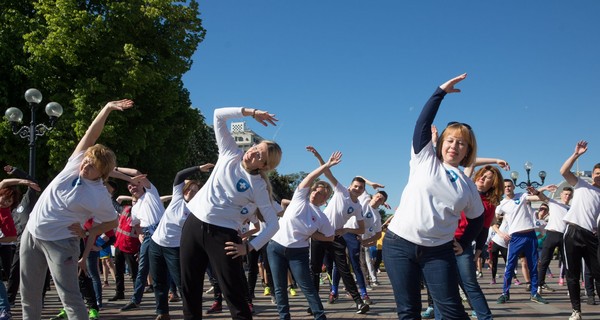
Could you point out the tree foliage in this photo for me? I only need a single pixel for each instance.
(285, 185)
(83, 54)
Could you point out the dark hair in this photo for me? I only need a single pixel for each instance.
(383, 193)
(597, 166)
(112, 184)
(11, 192)
(359, 179)
(567, 189)
(509, 180)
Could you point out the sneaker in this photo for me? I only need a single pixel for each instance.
(576, 315)
(5, 315)
(546, 287)
(164, 316)
(130, 306)
(362, 308)
(375, 283)
(428, 313)
(251, 306)
(267, 291)
(174, 297)
(117, 296)
(561, 282)
(61, 315)
(538, 299)
(590, 300)
(493, 281)
(149, 289)
(293, 292)
(366, 299)
(332, 298)
(93, 314)
(211, 289)
(309, 311)
(479, 274)
(550, 275)
(216, 307)
(517, 282)
(528, 287)
(273, 301)
(503, 299)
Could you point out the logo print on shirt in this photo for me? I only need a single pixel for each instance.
(76, 182)
(244, 210)
(518, 201)
(20, 209)
(452, 174)
(350, 210)
(242, 185)
(369, 215)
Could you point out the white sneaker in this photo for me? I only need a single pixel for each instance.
(575, 316)
(211, 289)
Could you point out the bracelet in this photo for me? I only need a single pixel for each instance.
(254, 113)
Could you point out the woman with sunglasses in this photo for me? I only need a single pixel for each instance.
(421, 242)
(219, 210)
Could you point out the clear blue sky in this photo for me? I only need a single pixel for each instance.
(353, 76)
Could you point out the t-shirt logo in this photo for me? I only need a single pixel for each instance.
(452, 174)
(517, 201)
(369, 215)
(242, 185)
(76, 182)
(350, 210)
(371, 229)
(20, 209)
(244, 210)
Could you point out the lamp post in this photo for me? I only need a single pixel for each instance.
(523, 185)
(33, 130)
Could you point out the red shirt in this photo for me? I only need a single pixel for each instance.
(489, 210)
(7, 224)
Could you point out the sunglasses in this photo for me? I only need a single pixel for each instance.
(451, 123)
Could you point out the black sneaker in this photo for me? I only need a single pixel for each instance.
(130, 306)
(546, 287)
(362, 308)
(309, 311)
(591, 301)
(117, 296)
(537, 298)
(503, 299)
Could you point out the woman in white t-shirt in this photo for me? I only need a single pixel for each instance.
(50, 239)
(303, 220)
(420, 240)
(219, 209)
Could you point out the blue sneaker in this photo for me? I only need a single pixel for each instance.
(428, 313)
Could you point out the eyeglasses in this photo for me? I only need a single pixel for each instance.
(451, 123)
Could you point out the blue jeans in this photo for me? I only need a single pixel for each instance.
(92, 266)
(163, 261)
(141, 281)
(353, 246)
(407, 262)
(468, 279)
(4, 304)
(296, 259)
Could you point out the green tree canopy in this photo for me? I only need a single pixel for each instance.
(83, 54)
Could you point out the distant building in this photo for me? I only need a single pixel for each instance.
(243, 136)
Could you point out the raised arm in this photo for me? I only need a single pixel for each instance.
(185, 173)
(95, 129)
(326, 172)
(13, 182)
(373, 185)
(485, 161)
(422, 133)
(565, 170)
(335, 158)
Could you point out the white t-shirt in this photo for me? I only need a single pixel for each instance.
(433, 199)
(585, 205)
(517, 212)
(372, 220)
(300, 221)
(557, 211)
(68, 199)
(168, 232)
(497, 238)
(148, 210)
(341, 208)
(223, 199)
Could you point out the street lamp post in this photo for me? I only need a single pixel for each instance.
(34, 130)
(523, 185)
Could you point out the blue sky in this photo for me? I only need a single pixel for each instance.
(353, 76)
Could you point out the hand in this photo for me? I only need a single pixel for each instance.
(206, 167)
(33, 185)
(434, 134)
(581, 147)
(141, 238)
(313, 151)
(377, 186)
(458, 250)
(140, 180)
(82, 266)
(449, 85)
(340, 232)
(550, 187)
(335, 158)
(387, 206)
(503, 164)
(263, 117)
(505, 236)
(533, 191)
(77, 230)
(120, 105)
(235, 249)
(8, 169)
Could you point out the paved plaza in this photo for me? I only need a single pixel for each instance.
(383, 307)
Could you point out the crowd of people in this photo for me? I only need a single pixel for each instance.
(455, 208)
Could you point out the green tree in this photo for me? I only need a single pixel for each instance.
(85, 53)
(285, 185)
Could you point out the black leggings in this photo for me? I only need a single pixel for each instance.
(495, 250)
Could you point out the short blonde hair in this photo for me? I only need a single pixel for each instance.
(464, 132)
(323, 184)
(103, 159)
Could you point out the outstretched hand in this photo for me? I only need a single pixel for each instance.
(120, 105)
(335, 158)
(581, 147)
(264, 116)
(312, 150)
(449, 85)
(206, 167)
(503, 164)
